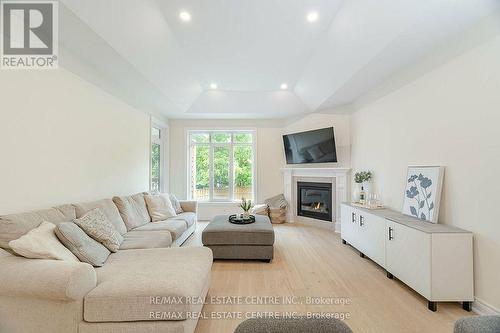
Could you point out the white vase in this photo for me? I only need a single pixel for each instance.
(356, 191)
(246, 215)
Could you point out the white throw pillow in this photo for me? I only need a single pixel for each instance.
(159, 206)
(42, 243)
(175, 203)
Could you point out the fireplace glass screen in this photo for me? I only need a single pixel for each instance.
(314, 200)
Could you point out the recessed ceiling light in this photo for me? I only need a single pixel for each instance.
(284, 86)
(213, 85)
(185, 16)
(312, 16)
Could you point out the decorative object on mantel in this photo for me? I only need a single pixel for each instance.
(246, 205)
(423, 192)
(359, 192)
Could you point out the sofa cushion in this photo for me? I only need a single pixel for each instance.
(39, 281)
(189, 217)
(108, 207)
(133, 210)
(175, 203)
(15, 225)
(81, 245)
(42, 243)
(176, 227)
(133, 283)
(68, 210)
(96, 224)
(159, 207)
(137, 239)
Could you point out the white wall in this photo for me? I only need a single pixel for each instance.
(63, 140)
(269, 159)
(448, 117)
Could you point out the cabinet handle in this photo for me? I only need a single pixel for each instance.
(391, 236)
(353, 217)
(361, 219)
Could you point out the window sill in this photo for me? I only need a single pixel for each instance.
(219, 202)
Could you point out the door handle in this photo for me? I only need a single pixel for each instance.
(353, 217)
(391, 235)
(361, 220)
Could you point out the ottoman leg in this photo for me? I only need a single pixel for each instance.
(266, 260)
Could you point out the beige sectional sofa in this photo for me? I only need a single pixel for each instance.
(132, 292)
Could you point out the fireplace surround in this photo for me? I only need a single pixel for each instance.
(314, 200)
(337, 177)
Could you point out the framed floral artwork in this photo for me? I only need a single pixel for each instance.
(423, 192)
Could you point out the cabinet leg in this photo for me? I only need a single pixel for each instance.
(344, 242)
(361, 255)
(390, 276)
(467, 306)
(432, 306)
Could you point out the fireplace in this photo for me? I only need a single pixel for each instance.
(314, 200)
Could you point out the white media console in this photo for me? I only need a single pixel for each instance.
(435, 260)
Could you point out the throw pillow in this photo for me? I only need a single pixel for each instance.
(97, 226)
(175, 203)
(159, 207)
(276, 201)
(81, 245)
(42, 243)
(133, 210)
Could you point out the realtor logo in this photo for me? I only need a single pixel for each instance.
(29, 35)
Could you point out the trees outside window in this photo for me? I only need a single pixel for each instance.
(221, 165)
(156, 159)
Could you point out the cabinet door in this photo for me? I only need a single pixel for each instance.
(372, 237)
(345, 223)
(349, 228)
(408, 256)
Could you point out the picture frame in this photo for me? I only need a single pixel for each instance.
(422, 195)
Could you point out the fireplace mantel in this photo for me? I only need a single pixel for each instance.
(337, 176)
(316, 170)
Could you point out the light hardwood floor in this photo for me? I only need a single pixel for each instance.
(311, 261)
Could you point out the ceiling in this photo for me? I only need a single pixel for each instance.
(142, 52)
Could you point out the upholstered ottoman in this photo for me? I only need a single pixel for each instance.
(234, 241)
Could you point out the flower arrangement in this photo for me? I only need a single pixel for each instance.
(362, 176)
(246, 205)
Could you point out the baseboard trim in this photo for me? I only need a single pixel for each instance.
(482, 308)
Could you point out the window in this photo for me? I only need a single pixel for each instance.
(156, 159)
(221, 165)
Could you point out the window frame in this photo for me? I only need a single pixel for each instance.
(230, 146)
(161, 141)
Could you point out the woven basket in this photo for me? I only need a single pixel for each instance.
(277, 215)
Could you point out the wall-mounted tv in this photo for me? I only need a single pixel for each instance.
(317, 146)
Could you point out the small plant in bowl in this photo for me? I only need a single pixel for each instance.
(246, 205)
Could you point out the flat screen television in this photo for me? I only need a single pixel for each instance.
(317, 146)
